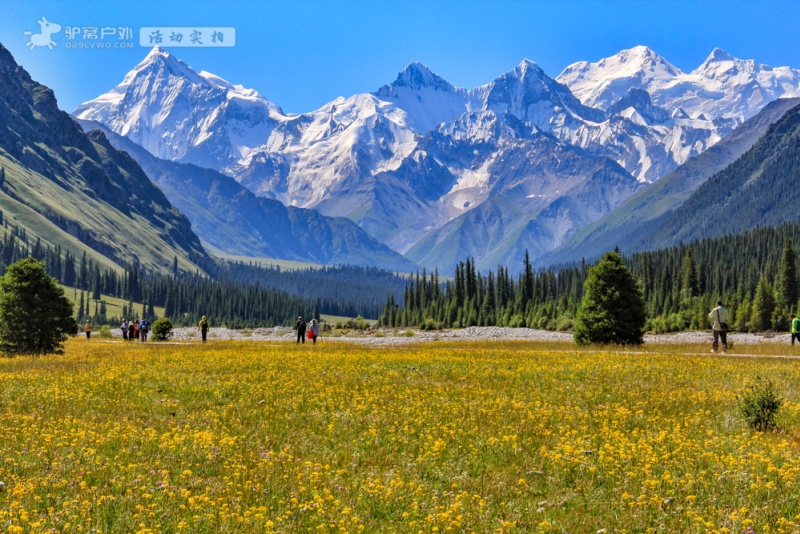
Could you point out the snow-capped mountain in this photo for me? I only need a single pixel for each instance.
(412, 157)
(605, 82)
(181, 115)
(723, 89)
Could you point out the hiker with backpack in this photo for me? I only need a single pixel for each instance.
(88, 329)
(203, 326)
(144, 327)
(719, 323)
(300, 326)
(124, 328)
(795, 328)
(132, 330)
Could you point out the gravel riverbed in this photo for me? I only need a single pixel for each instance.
(403, 336)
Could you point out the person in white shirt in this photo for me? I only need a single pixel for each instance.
(719, 322)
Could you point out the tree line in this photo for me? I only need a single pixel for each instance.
(754, 273)
(232, 294)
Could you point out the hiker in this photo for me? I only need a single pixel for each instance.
(124, 328)
(88, 329)
(300, 326)
(131, 330)
(203, 326)
(795, 328)
(143, 328)
(719, 323)
(313, 330)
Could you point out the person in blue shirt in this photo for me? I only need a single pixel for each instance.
(144, 327)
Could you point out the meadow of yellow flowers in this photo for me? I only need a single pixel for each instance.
(436, 437)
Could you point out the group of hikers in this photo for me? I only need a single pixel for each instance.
(719, 325)
(139, 329)
(312, 329)
(135, 330)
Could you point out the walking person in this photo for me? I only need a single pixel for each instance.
(88, 329)
(203, 326)
(795, 328)
(300, 326)
(124, 328)
(313, 330)
(144, 327)
(131, 330)
(719, 323)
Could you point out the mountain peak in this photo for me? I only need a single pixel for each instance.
(642, 58)
(5, 57)
(720, 63)
(417, 75)
(527, 65)
(159, 58)
(719, 54)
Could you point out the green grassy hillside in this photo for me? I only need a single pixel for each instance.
(75, 190)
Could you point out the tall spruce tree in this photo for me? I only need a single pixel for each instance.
(35, 316)
(787, 291)
(612, 309)
(763, 305)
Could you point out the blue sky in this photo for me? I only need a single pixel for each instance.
(303, 53)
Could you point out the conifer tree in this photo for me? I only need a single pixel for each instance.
(35, 316)
(612, 309)
(763, 306)
(787, 289)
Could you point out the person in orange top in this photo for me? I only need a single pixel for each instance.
(88, 329)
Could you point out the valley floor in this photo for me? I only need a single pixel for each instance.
(454, 436)
(404, 336)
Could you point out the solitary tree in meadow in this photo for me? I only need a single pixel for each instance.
(35, 316)
(613, 308)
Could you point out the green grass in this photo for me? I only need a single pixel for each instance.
(113, 304)
(437, 437)
(65, 197)
(287, 265)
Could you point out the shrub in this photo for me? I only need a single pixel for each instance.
(359, 323)
(104, 332)
(565, 323)
(162, 329)
(516, 321)
(759, 405)
(430, 324)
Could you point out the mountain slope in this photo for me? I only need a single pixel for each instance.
(759, 189)
(76, 190)
(630, 221)
(232, 220)
(545, 191)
